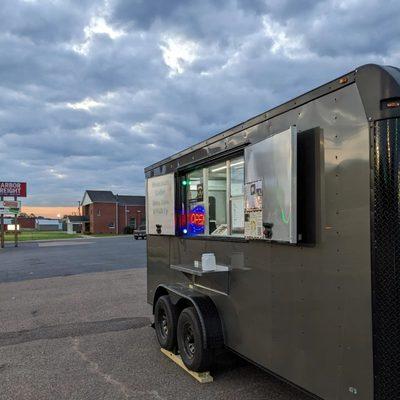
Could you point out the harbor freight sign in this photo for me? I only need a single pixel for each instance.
(16, 189)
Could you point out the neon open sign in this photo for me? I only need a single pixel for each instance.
(197, 220)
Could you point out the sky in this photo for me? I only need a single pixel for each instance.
(93, 91)
(51, 212)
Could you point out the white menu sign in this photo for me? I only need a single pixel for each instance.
(160, 205)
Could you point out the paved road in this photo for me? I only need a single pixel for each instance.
(70, 257)
(82, 336)
(87, 336)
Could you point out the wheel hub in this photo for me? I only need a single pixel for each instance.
(164, 324)
(189, 341)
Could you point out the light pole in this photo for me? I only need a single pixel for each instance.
(126, 216)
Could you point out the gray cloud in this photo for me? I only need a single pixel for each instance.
(92, 92)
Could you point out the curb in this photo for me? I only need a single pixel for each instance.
(86, 237)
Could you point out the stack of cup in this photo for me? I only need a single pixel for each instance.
(208, 262)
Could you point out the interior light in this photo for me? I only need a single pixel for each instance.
(184, 231)
(218, 169)
(224, 167)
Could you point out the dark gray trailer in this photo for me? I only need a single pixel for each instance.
(300, 206)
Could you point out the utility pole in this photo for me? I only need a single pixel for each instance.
(116, 217)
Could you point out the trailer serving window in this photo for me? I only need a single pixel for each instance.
(214, 199)
(271, 188)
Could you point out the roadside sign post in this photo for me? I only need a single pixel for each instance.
(15, 190)
(2, 226)
(15, 226)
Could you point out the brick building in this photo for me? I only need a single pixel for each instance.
(110, 213)
(26, 222)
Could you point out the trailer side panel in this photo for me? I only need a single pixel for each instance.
(302, 312)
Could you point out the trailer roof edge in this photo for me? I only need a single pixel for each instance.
(331, 86)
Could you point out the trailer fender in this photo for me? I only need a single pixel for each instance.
(210, 321)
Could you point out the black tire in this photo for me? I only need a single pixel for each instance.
(165, 322)
(191, 342)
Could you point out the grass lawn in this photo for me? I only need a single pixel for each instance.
(40, 235)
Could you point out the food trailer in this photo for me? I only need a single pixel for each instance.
(279, 239)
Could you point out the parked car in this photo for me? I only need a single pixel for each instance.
(140, 232)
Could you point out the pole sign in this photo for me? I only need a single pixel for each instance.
(10, 207)
(16, 189)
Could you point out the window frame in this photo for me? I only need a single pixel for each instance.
(182, 196)
(231, 197)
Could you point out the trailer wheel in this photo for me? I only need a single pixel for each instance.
(191, 343)
(165, 321)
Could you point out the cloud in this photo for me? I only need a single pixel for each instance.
(178, 53)
(94, 91)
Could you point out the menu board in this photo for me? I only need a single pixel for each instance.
(160, 205)
(253, 217)
(254, 195)
(253, 226)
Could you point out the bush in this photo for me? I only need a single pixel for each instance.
(128, 230)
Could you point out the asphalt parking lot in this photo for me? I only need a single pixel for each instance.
(47, 259)
(70, 333)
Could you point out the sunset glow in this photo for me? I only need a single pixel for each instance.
(50, 212)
